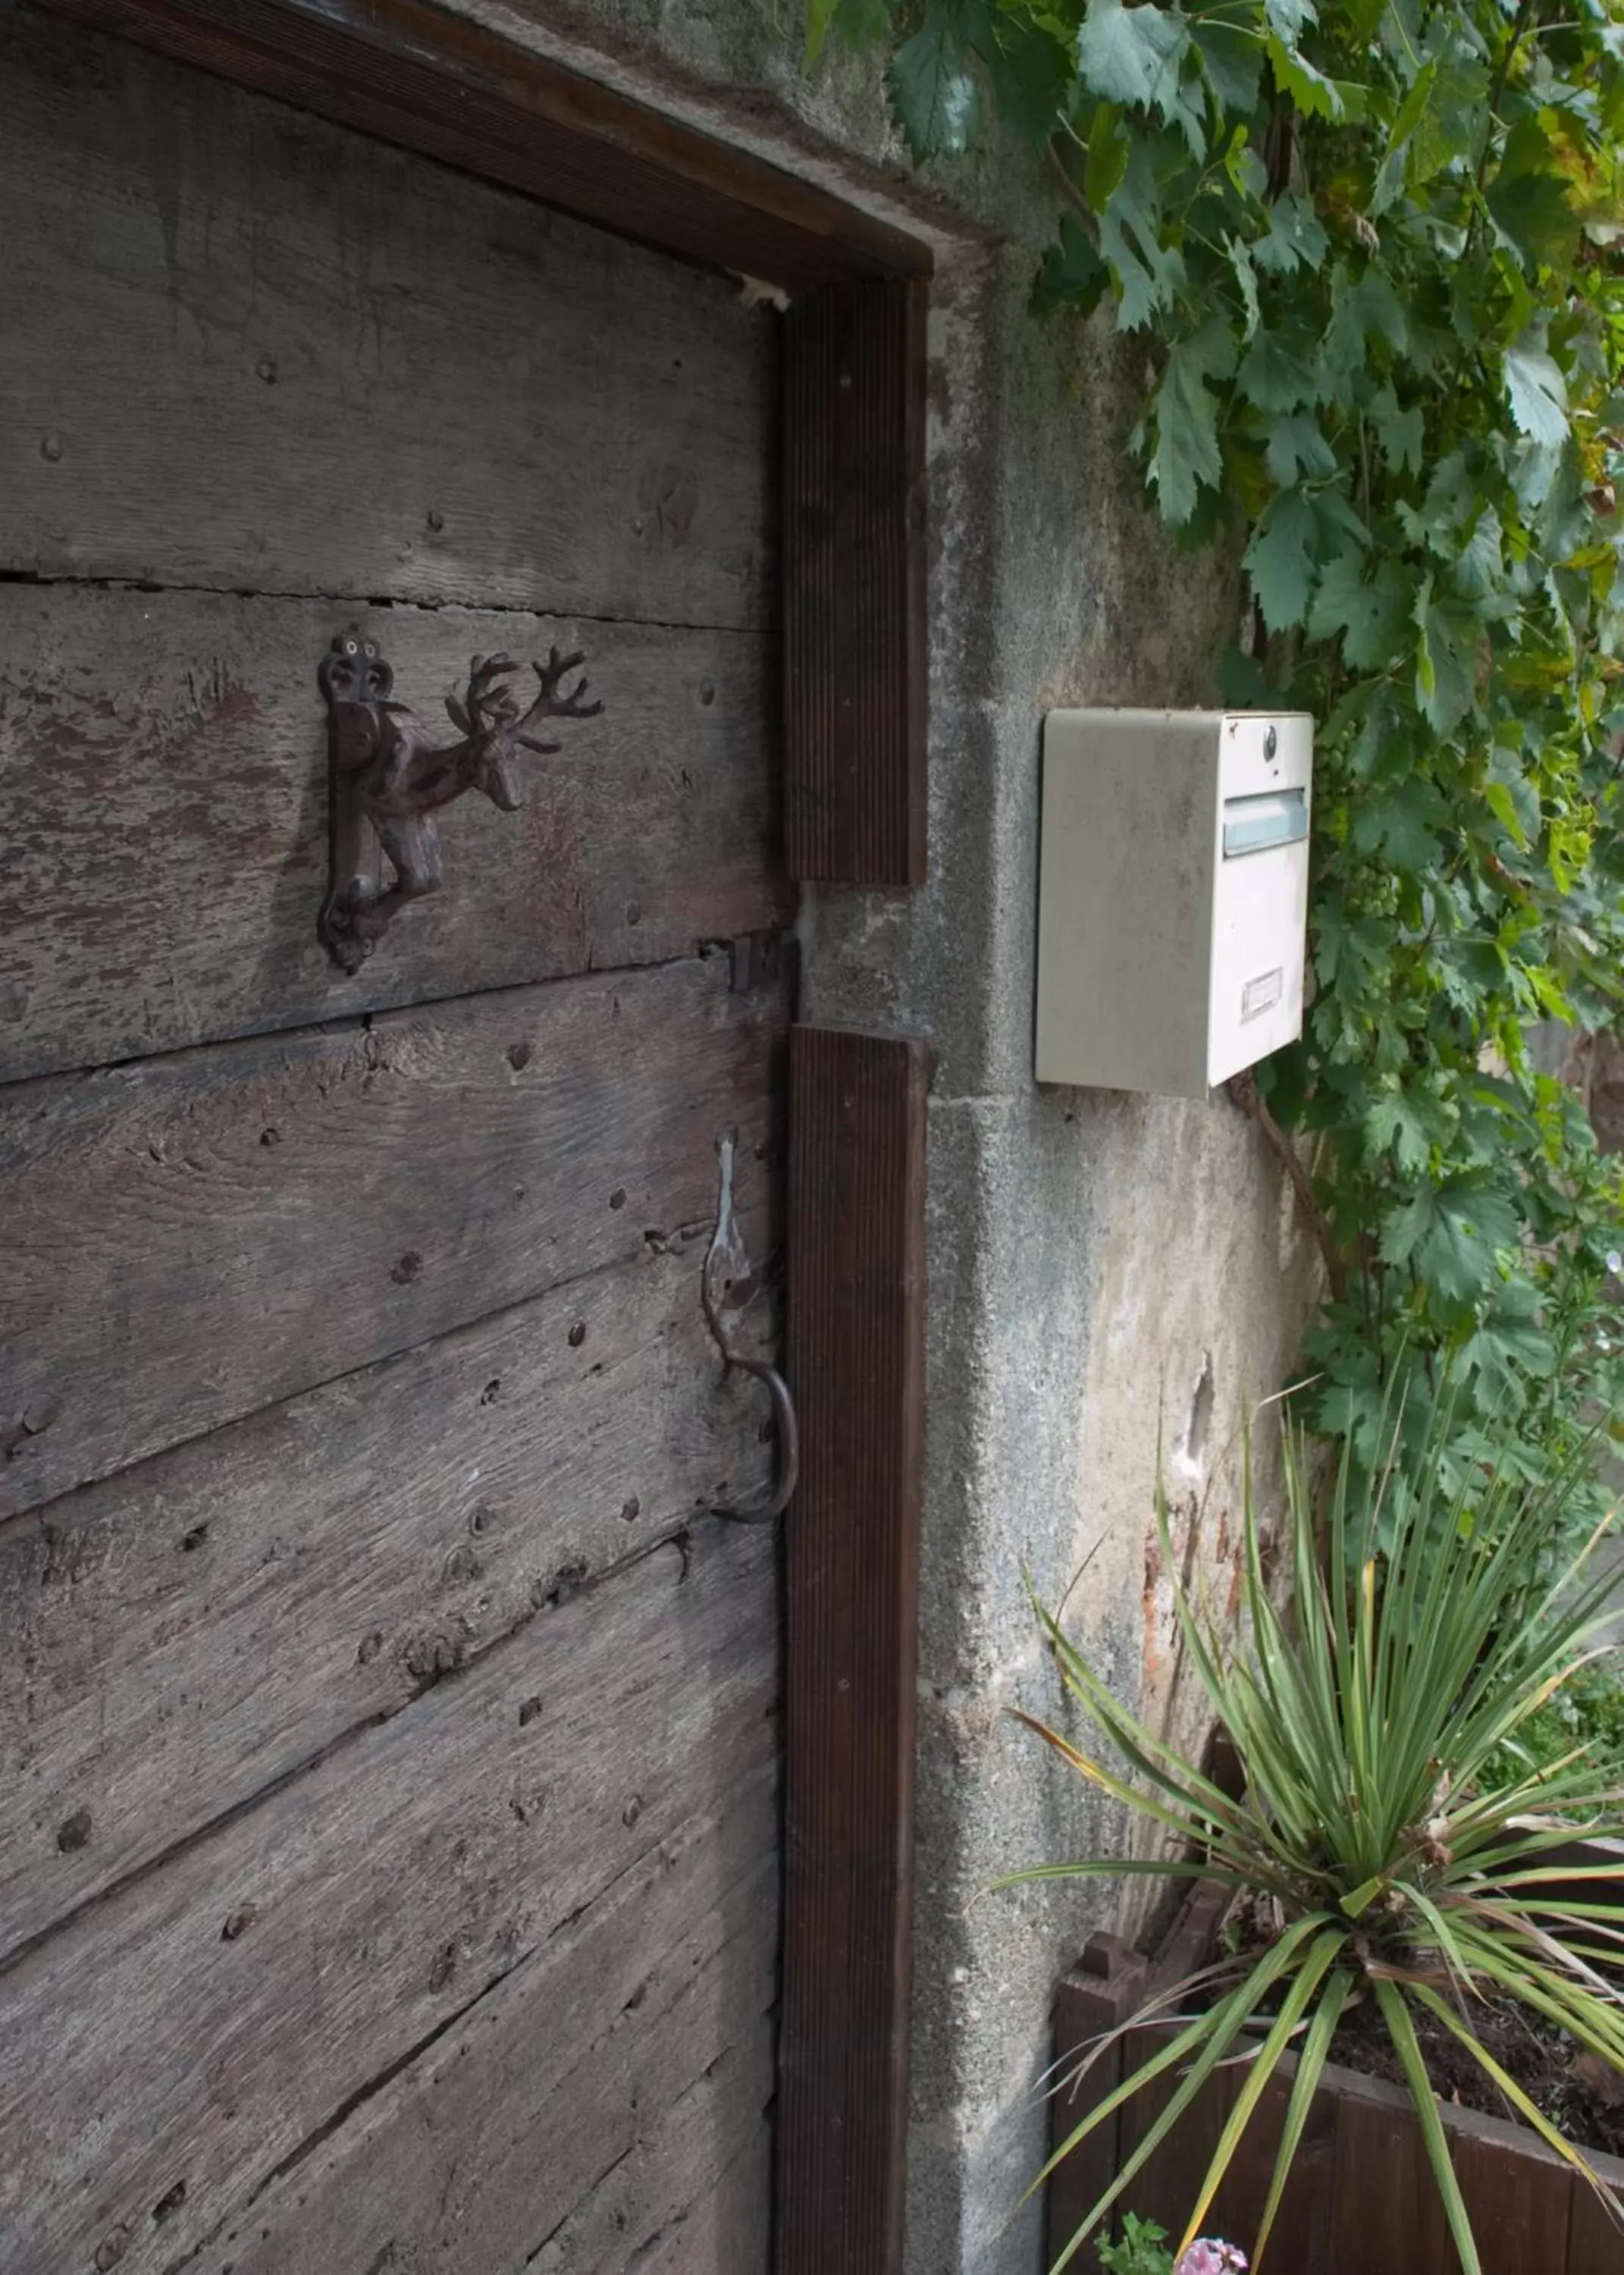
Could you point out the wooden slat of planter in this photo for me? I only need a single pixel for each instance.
(1300, 2242)
(338, 371)
(856, 1253)
(1516, 2191)
(328, 1933)
(1166, 2185)
(190, 1238)
(185, 729)
(1595, 2240)
(413, 73)
(531, 2123)
(855, 657)
(174, 1639)
(1099, 1997)
(1386, 2217)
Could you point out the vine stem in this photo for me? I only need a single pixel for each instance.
(1243, 1091)
(1073, 194)
(1520, 24)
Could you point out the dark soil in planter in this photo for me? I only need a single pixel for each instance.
(1547, 2063)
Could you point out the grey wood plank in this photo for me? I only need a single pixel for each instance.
(728, 2230)
(691, 2194)
(174, 1639)
(181, 2042)
(188, 1239)
(247, 349)
(578, 2110)
(163, 816)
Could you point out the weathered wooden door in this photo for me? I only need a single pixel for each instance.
(388, 1734)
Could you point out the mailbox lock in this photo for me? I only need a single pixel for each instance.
(1271, 744)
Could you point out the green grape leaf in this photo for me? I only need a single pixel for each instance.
(1315, 94)
(1535, 212)
(1455, 1232)
(1296, 238)
(1363, 312)
(1401, 432)
(1530, 199)
(1279, 560)
(1073, 275)
(1446, 661)
(1109, 142)
(1537, 393)
(1409, 1128)
(1480, 567)
(1149, 274)
(933, 92)
(1289, 20)
(1508, 1346)
(1187, 455)
(1133, 56)
(1297, 446)
(1031, 71)
(1246, 277)
(1232, 62)
(1275, 373)
(1372, 615)
(861, 24)
(1403, 824)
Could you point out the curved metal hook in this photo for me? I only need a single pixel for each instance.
(727, 1276)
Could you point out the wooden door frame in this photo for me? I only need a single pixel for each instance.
(855, 712)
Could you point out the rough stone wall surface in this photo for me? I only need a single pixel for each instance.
(1101, 1268)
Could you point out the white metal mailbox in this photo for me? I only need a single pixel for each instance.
(1173, 898)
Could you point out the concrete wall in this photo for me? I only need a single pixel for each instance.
(1097, 1261)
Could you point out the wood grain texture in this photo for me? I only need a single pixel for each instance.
(248, 349)
(163, 817)
(1301, 2237)
(1387, 2212)
(1097, 1998)
(1164, 2185)
(1595, 2236)
(729, 2231)
(387, 66)
(190, 1238)
(186, 2039)
(583, 2114)
(693, 2195)
(726, 2228)
(181, 1635)
(856, 1242)
(855, 668)
(1518, 2191)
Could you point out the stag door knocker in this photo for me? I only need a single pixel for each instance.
(386, 781)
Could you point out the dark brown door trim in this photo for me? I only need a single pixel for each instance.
(856, 1272)
(855, 802)
(412, 73)
(854, 581)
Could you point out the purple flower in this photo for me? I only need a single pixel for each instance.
(1211, 2257)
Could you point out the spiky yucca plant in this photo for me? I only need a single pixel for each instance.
(1397, 1865)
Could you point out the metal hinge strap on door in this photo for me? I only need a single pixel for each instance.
(725, 1287)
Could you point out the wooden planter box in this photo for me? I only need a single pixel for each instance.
(1361, 2199)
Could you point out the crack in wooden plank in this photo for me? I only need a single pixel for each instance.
(397, 605)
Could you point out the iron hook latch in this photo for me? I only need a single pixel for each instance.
(726, 1286)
